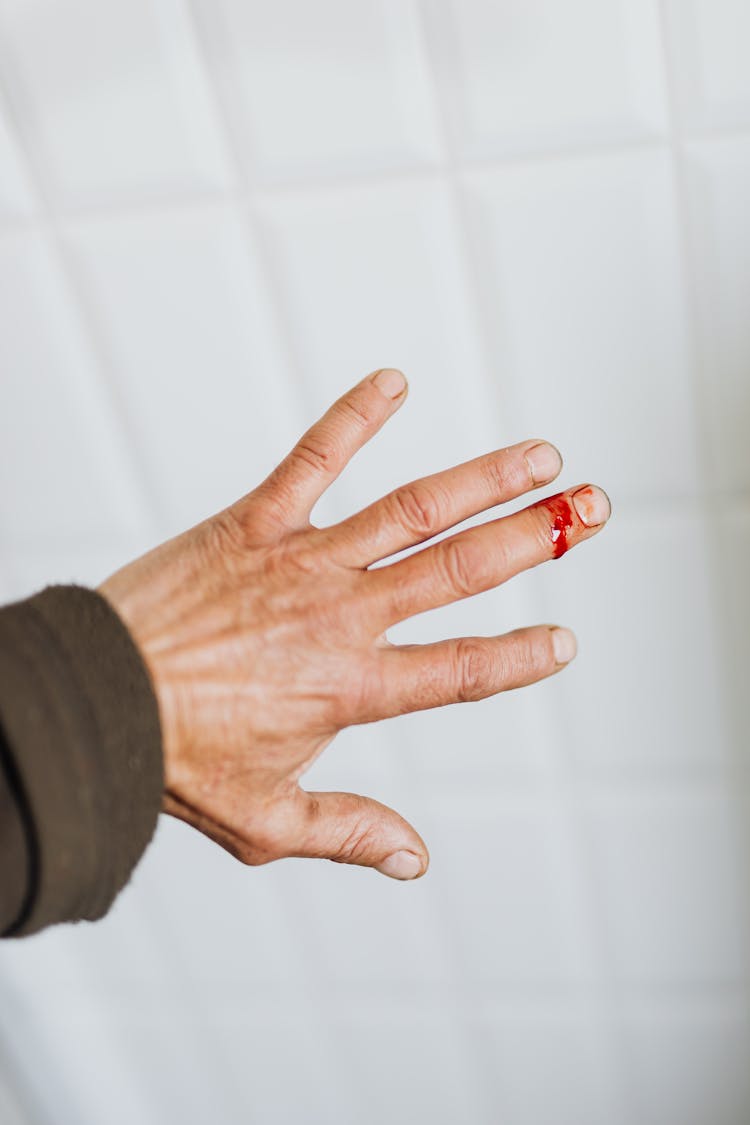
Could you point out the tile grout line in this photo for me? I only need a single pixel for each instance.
(476, 1058)
(472, 267)
(452, 169)
(354, 180)
(736, 780)
(308, 987)
(118, 416)
(81, 311)
(244, 198)
(261, 189)
(565, 788)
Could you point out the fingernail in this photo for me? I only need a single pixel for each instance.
(564, 644)
(592, 505)
(544, 462)
(390, 382)
(401, 865)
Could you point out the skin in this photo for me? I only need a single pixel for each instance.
(264, 635)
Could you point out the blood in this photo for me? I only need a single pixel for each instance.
(562, 521)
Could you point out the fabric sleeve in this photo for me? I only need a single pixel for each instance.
(17, 855)
(81, 773)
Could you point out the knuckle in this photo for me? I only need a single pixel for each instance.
(300, 553)
(226, 535)
(476, 670)
(525, 660)
(353, 699)
(316, 453)
(357, 842)
(418, 510)
(459, 568)
(354, 408)
(500, 474)
(364, 698)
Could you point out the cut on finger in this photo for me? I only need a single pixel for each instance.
(485, 556)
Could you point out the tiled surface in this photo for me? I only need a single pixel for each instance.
(61, 439)
(710, 42)
(533, 74)
(718, 178)
(355, 103)
(15, 200)
(150, 128)
(671, 889)
(178, 372)
(586, 306)
(690, 1062)
(213, 218)
(552, 1066)
(648, 587)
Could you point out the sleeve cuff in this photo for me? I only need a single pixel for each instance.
(81, 721)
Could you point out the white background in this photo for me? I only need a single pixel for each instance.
(215, 215)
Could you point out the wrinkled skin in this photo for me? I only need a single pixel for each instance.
(264, 635)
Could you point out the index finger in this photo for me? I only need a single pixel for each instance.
(323, 451)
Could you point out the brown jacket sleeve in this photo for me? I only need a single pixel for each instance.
(80, 758)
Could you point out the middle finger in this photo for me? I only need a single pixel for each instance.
(417, 511)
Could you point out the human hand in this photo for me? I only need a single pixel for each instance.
(265, 636)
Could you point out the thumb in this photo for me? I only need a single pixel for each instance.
(348, 828)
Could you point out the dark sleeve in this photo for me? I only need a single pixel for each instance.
(80, 758)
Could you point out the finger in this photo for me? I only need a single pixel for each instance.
(466, 669)
(482, 557)
(348, 828)
(417, 511)
(294, 486)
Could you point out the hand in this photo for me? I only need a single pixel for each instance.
(265, 636)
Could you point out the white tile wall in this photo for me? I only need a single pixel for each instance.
(653, 707)
(719, 181)
(213, 218)
(12, 1111)
(60, 438)
(257, 1041)
(585, 300)
(689, 1062)
(552, 1065)
(354, 102)
(511, 863)
(710, 59)
(530, 75)
(15, 199)
(408, 1062)
(374, 276)
(186, 323)
(150, 128)
(673, 894)
(734, 549)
